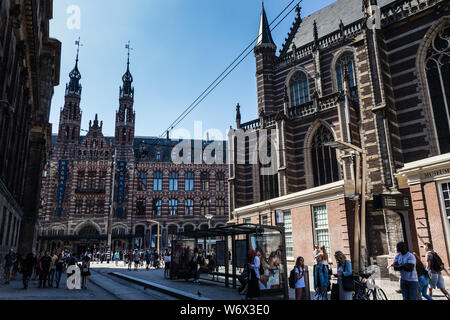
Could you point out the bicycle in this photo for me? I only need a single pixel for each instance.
(367, 289)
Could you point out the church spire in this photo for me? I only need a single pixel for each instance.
(74, 86)
(127, 90)
(264, 34)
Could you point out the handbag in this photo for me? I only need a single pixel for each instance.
(347, 282)
(335, 291)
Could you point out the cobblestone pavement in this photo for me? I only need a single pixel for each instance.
(101, 286)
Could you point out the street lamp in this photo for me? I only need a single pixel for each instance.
(360, 195)
(209, 217)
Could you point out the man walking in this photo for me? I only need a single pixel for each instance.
(435, 266)
(10, 259)
(45, 264)
(137, 258)
(405, 262)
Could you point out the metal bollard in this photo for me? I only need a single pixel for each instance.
(307, 287)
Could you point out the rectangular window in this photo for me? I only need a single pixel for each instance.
(173, 181)
(2, 229)
(320, 224)
(157, 207)
(288, 235)
(173, 207)
(189, 207)
(157, 181)
(220, 207)
(248, 221)
(220, 182)
(91, 179)
(100, 207)
(189, 181)
(265, 220)
(78, 207)
(142, 181)
(102, 180)
(80, 182)
(204, 181)
(446, 198)
(9, 228)
(140, 207)
(90, 207)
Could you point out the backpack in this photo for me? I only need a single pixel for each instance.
(292, 279)
(436, 263)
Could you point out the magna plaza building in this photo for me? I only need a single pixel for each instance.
(126, 188)
(374, 75)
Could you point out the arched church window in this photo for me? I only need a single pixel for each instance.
(299, 89)
(345, 61)
(323, 158)
(437, 65)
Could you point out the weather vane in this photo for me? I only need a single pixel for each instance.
(78, 44)
(128, 46)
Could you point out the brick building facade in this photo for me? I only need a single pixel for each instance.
(151, 185)
(341, 77)
(29, 69)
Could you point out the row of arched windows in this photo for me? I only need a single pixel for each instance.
(173, 207)
(299, 84)
(189, 181)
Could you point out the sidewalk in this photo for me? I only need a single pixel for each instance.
(218, 291)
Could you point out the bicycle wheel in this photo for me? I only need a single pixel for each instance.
(380, 295)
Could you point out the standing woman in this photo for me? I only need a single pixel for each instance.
(85, 271)
(253, 284)
(344, 269)
(300, 283)
(424, 278)
(321, 281)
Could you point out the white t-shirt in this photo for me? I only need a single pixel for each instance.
(256, 264)
(301, 282)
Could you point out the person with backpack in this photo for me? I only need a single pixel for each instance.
(85, 271)
(299, 278)
(321, 281)
(405, 262)
(435, 266)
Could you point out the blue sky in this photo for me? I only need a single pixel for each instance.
(180, 47)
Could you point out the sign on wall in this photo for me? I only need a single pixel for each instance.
(62, 177)
(392, 202)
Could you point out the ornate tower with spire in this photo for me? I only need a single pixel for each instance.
(70, 114)
(125, 116)
(265, 49)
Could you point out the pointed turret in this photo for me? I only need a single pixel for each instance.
(74, 86)
(127, 90)
(264, 34)
(265, 56)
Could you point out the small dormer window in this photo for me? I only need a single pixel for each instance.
(158, 156)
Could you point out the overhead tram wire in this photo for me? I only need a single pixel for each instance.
(225, 74)
(229, 66)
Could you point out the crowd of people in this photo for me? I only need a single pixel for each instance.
(46, 267)
(417, 280)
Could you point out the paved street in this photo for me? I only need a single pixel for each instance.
(101, 286)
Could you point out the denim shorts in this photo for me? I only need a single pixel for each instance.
(437, 280)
